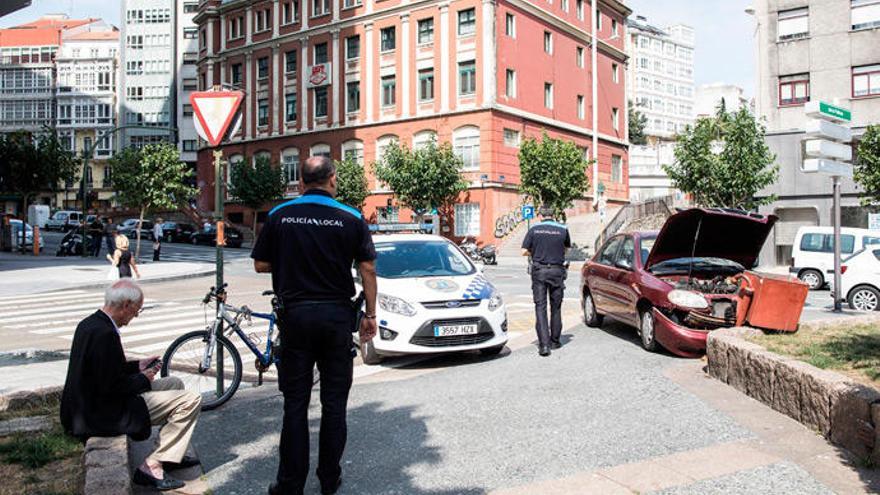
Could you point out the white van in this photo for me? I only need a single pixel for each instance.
(812, 255)
(63, 220)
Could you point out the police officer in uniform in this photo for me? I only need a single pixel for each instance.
(546, 243)
(309, 245)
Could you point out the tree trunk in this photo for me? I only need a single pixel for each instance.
(137, 251)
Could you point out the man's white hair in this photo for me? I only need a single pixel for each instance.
(121, 292)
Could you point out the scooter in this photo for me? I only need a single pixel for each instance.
(72, 244)
(485, 254)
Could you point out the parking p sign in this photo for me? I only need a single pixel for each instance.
(528, 212)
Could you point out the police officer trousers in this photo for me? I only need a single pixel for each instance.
(548, 280)
(314, 332)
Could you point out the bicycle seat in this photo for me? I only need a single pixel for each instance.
(268, 292)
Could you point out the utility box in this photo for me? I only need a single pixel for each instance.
(38, 215)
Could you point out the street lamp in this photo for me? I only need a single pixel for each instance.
(750, 10)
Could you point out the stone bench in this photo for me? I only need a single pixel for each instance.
(107, 471)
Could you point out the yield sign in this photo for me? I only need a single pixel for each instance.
(214, 111)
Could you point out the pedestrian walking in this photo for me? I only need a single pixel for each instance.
(105, 395)
(96, 231)
(157, 239)
(110, 235)
(545, 244)
(315, 286)
(123, 259)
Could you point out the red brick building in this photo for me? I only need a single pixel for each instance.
(347, 77)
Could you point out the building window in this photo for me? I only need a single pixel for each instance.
(613, 28)
(263, 68)
(510, 88)
(467, 22)
(615, 118)
(615, 76)
(580, 9)
(388, 39)
(353, 96)
(321, 102)
(794, 89)
(426, 31)
(510, 25)
(616, 169)
(580, 107)
(389, 88)
(793, 24)
(466, 144)
(190, 7)
(352, 47)
(289, 12)
(580, 56)
(467, 78)
(263, 112)
(187, 110)
(290, 62)
(290, 164)
(548, 42)
(290, 107)
(236, 74)
(190, 33)
(866, 80)
(511, 138)
(426, 85)
(320, 7)
(599, 22)
(189, 145)
(548, 95)
(321, 53)
(352, 3)
(865, 14)
(467, 219)
(353, 150)
(320, 150)
(564, 5)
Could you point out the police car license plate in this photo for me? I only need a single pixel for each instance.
(452, 330)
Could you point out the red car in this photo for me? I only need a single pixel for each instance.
(692, 277)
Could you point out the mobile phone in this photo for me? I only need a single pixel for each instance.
(153, 363)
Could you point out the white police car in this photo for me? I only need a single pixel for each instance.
(432, 299)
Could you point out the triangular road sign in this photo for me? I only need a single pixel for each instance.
(214, 111)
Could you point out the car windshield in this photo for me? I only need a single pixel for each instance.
(60, 216)
(420, 259)
(715, 266)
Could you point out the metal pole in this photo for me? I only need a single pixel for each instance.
(85, 192)
(218, 219)
(837, 302)
(594, 68)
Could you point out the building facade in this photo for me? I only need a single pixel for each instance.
(345, 78)
(709, 96)
(813, 50)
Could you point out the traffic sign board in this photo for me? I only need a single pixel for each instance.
(214, 111)
(823, 129)
(828, 167)
(528, 212)
(828, 111)
(821, 148)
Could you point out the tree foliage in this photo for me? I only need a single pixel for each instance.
(351, 183)
(254, 186)
(422, 179)
(553, 172)
(637, 124)
(867, 169)
(152, 178)
(723, 161)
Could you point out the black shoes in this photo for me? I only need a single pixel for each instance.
(544, 351)
(184, 463)
(555, 345)
(330, 490)
(164, 484)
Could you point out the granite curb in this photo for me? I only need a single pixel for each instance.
(105, 462)
(29, 399)
(844, 411)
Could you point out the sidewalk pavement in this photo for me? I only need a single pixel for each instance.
(22, 274)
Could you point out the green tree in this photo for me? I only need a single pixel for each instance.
(553, 172)
(723, 161)
(867, 169)
(637, 123)
(34, 164)
(351, 183)
(151, 178)
(422, 179)
(254, 186)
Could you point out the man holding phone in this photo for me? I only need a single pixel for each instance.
(106, 395)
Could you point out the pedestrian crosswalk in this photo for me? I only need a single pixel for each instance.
(203, 254)
(56, 315)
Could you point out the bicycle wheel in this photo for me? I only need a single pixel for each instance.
(183, 359)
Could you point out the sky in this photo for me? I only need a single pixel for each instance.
(724, 32)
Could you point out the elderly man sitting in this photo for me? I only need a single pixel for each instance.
(105, 395)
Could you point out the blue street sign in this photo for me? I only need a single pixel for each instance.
(528, 212)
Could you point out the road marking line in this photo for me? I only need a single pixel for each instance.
(160, 312)
(10, 300)
(94, 300)
(57, 311)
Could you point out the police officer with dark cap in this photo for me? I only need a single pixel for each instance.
(309, 245)
(546, 243)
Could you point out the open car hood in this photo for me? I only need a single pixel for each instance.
(727, 234)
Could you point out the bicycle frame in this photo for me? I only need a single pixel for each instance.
(225, 313)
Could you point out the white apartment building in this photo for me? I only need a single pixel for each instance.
(186, 55)
(661, 75)
(86, 100)
(709, 96)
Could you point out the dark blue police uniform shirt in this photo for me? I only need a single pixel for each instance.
(311, 243)
(547, 241)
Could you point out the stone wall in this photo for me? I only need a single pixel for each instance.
(838, 408)
(106, 466)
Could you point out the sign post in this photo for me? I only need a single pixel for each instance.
(826, 135)
(214, 112)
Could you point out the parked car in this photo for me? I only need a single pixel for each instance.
(860, 279)
(29, 234)
(64, 220)
(813, 251)
(128, 228)
(207, 236)
(432, 299)
(177, 231)
(692, 277)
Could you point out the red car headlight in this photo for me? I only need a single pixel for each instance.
(687, 299)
